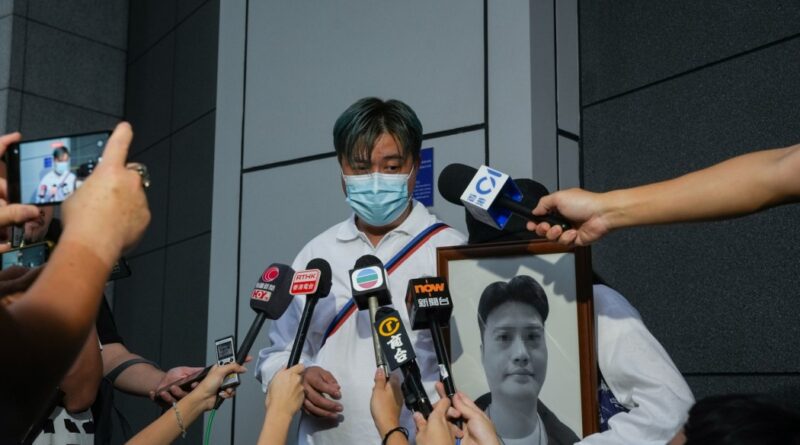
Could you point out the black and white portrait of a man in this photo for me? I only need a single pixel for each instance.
(511, 318)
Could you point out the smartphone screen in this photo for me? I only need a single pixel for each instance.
(48, 171)
(28, 256)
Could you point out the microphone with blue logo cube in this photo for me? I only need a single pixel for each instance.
(370, 290)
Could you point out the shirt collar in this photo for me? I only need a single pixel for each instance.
(349, 231)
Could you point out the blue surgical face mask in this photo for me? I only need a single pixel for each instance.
(377, 198)
(61, 167)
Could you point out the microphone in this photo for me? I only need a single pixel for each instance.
(270, 298)
(315, 283)
(429, 307)
(368, 283)
(396, 346)
(489, 195)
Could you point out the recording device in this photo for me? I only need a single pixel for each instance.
(30, 256)
(270, 298)
(315, 283)
(368, 283)
(48, 171)
(399, 353)
(489, 195)
(226, 353)
(429, 307)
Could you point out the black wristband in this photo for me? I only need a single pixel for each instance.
(112, 376)
(394, 430)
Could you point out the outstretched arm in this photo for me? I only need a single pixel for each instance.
(737, 186)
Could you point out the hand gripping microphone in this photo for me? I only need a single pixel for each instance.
(270, 299)
(314, 283)
(429, 307)
(490, 196)
(370, 290)
(399, 353)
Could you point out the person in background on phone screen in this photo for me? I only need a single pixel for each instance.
(59, 182)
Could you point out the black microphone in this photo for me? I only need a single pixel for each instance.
(270, 299)
(399, 353)
(370, 290)
(429, 307)
(315, 283)
(494, 210)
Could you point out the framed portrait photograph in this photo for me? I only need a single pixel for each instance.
(522, 337)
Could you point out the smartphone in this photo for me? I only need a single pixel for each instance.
(226, 353)
(29, 256)
(48, 171)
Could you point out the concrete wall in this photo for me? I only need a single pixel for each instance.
(670, 87)
(171, 66)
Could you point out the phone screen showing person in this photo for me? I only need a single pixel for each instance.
(48, 171)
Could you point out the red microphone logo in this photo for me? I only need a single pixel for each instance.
(305, 282)
(270, 274)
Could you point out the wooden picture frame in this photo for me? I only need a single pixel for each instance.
(565, 275)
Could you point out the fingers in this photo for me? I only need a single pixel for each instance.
(440, 390)
(296, 369)
(317, 405)
(317, 411)
(166, 396)
(116, 151)
(17, 214)
(8, 139)
(419, 421)
(327, 384)
(176, 391)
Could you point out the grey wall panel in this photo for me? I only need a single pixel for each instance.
(89, 73)
(156, 158)
(224, 260)
(543, 93)
(569, 174)
(149, 21)
(567, 67)
(510, 138)
(188, 7)
(717, 294)
(137, 305)
(6, 32)
(186, 283)
(190, 179)
(195, 65)
(101, 20)
(148, 92)
(43, 117)
(307, 62)
(627, 44)
(783, 387)
(16, 67)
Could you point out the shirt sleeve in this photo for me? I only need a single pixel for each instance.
(640, 374)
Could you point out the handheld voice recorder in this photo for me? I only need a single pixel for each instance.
(226, 353)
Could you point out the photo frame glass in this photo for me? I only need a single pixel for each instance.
(566, 382)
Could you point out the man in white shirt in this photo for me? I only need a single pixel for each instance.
(57, 184)
(377, 144)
